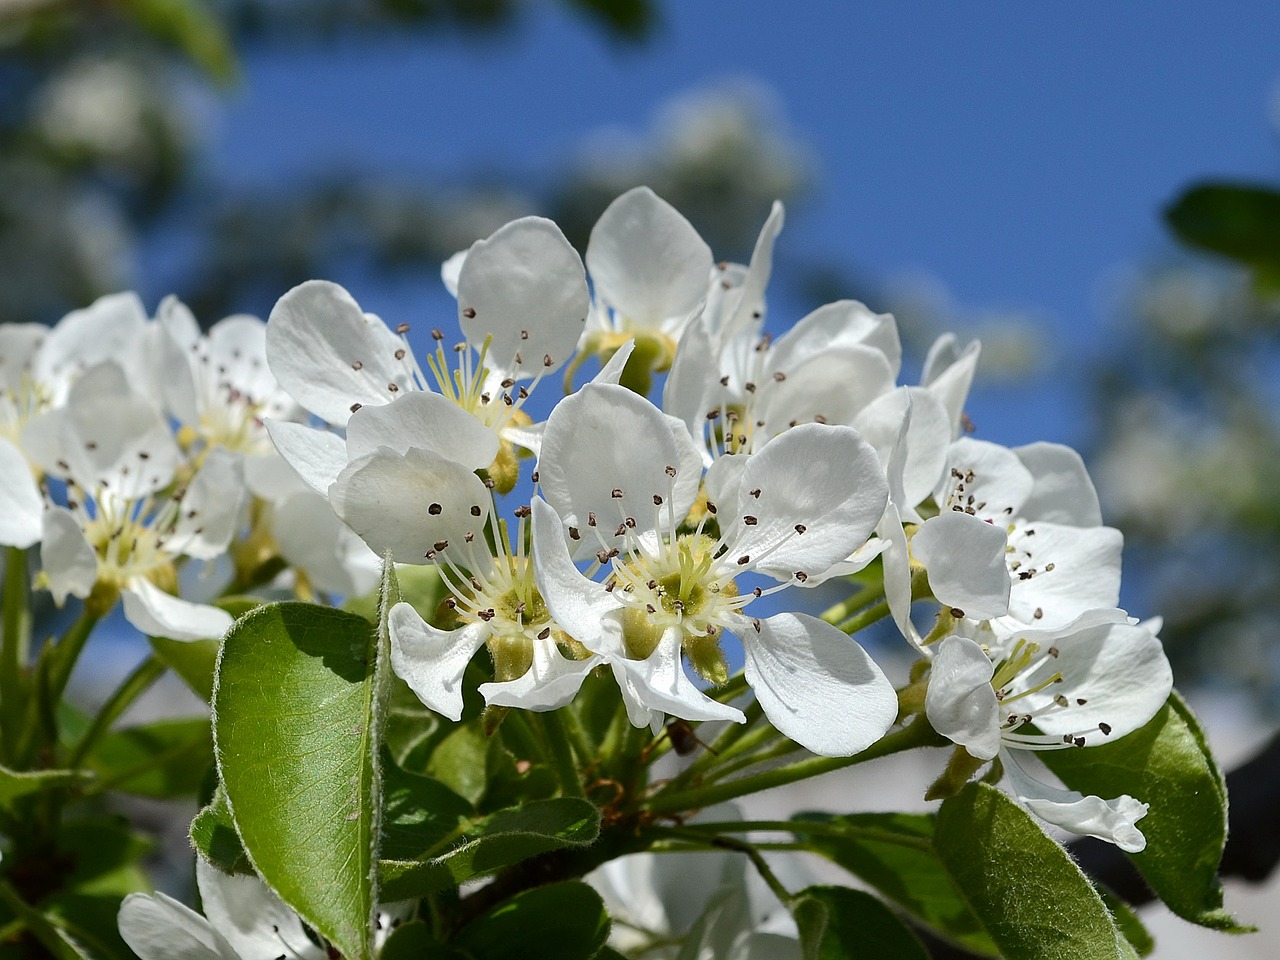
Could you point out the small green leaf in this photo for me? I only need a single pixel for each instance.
(294, 727)
(419, 814)
(1128, 922)
(837, 923)
(213, 834)
(413, 941)
(1029, 894)
(165, 759)
(16, 784)
(460, 761)
(893, 853)
(491, 843)
(1235, 220)
(1167, 765)
(561, 921)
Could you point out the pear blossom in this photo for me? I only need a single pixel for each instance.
(522, 303)
(1018, 538)
(125, 526)
(415, 506)
(1087, 683)
(620, 479)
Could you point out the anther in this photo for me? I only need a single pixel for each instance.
(1105, 728)
(400, 353)
(440, 544)
(1053, 652)
(957, 613)
(402, 328)
(1039, 614)
(750, 521)
(475, 510)
(801, 528)
(801, 576)
(744, 559)
(574, 534)
(356, 406)
(393, 387)
(657, 500)
(435, 509)
(546, 360)
(591, 518)
(617, 493)
(756, 493)
(437, 334)
(523, 511)
(469, 312)
(357, 365)
(669, 470)
(546, 632)
(779, 376)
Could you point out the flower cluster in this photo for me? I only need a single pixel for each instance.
(645, 542)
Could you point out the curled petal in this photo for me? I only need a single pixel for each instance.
(816, 684)
(960, 703)
(250, 917)
(1111, 820)
(948, 373)
(658, 686)
(1063, 492)
(160, 614)
(432, 661)
(551, 681)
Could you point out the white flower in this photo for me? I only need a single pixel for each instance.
(122, 529)
(417, 507)
(243, 920)
(1019, 538)
(1078, 686)
(522, 303)
(620, 478)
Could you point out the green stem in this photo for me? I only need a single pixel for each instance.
(865, 618)
(721, 749)
(67, 652)
(917, 734)
(815, 828)
(852, 604)
(773, 753)
(731, 689)
(562, 759)
(577, 736)
(15, 649)
(132, 687)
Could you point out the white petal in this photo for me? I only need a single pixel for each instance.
(450, 270)
(312, 538)
(1118, 670)
(328, 354)
(21, 506)
(925, 442)
(579, 605)
(172, 341)
(316, 456)
(647, 261)
(157, 927)
(237, 352)
(108, 329)
(66, 557)
(270, 477)
(427, 421)
(816, 684)
(589, 451)
(611, 372)
(408, 503)
(896, 559)
(1110, 820)
(111, 436)
(961, 703)
(212, 507)
(159, 614)
(19, 343)
(250, 917)
(659, 684)
(948, 372)
(748, 298)
(432, 661)
(835, 325)
(1000, 484)
(831, 387)
(689, 382)
(525, 287)
(1063, 492)
(815, 492)
(1085, 572)
(550, 682)
(965, 559)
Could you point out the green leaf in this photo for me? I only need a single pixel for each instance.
(213, 834)
(165, 759)
(1128, 922)
(491, 843)
(419, 814)
(460, 761)
(103, 854)
(1235, 220)
(413, 941)
(192, 27)
(16, 784)
(837, 923)
(561, 921)
(294, 725)
(1167, 765)
(1029, 894)
(894, 854)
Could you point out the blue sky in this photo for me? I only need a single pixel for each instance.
(1016, 152)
